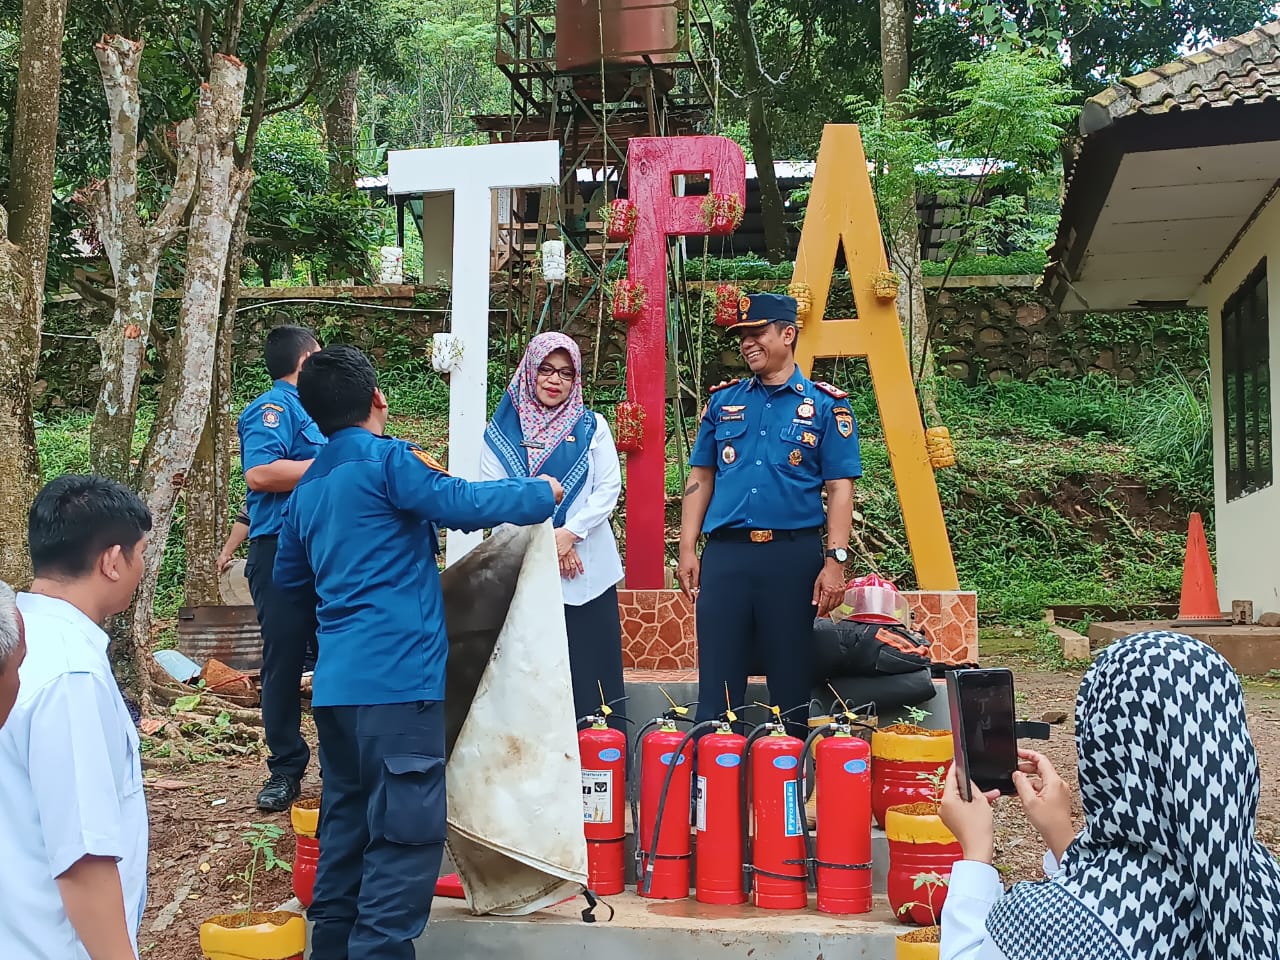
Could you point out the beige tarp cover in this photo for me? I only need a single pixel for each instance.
(514, 778)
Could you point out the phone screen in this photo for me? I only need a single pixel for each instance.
(986, 712)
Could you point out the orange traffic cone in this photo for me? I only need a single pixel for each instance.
(1199, 606)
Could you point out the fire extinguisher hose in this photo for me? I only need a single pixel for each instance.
(744, 800)
(653, 854)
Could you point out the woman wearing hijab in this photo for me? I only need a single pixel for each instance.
(1167, 866)
(541, 426)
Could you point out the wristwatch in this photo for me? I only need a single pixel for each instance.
(838, 554)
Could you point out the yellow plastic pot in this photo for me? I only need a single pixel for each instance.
(305, 817)
(899, 756)
(915, 950)
(267, 936)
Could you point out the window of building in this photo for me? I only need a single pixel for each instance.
(1246, 386)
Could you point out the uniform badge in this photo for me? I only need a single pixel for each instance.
(844, 423)
(734, 407)
(794, 457)
(806, 410)
(429, 461)
(270, 419)
(809, 438)
(744, 304)
(799, 388)
(728, 455)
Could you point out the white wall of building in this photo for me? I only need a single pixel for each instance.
(1248, 529)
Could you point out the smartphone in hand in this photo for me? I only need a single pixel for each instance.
(983, 729)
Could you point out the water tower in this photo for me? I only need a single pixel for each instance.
(593, 74)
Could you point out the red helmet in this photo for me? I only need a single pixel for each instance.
(872, 599)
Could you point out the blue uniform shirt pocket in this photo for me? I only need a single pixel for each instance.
(729, 439)
(805, 436)
(416, 807)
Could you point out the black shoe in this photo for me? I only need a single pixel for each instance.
(278, 793)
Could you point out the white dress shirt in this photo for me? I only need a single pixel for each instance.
(70, 783)
(587, 517)
(972, 891)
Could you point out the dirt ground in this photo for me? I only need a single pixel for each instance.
(199, 811)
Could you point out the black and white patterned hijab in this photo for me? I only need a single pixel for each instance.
(1167, 866)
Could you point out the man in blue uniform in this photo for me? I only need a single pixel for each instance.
(278, 441)
(767, 447)
(360, 531)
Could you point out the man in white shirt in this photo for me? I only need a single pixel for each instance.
(13, 648)
(74, 842)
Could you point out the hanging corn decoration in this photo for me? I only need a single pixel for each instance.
(620, 218)
(628, 300)
(727, 297)
(803, 296)
(722, 212)
(628, 434)
(942, 453)
(885, 283)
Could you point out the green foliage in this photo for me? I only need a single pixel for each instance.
(1021, 263)
(261, 838)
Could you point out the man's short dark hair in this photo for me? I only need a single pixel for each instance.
(285, 347)
(75, 519)
(336, 388)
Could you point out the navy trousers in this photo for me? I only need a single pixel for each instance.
(755, 613)
(288, 625)
(382, 828)
(595, 656)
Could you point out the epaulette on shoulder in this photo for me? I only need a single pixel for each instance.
(725, 383)
(831, 391)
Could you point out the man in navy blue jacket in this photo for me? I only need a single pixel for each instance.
(360, 530)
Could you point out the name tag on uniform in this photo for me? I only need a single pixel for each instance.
(803, 423)
(727, 417)
(533, 446)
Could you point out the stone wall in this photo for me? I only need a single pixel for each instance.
(997, 330)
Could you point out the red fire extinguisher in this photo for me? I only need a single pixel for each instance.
(718, 804)
(843, 856)
(604, 785)
(778, 856)
(663, 849)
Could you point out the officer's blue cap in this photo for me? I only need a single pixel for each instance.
(758, 309)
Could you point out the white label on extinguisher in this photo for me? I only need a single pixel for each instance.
(702, 804)
(791, 806)
(597, 796)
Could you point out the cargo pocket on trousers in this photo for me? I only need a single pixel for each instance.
(416, 806)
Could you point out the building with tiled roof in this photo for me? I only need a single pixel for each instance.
(1171, 201)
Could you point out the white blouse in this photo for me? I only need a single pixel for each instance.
(587, 517)
(972, 892)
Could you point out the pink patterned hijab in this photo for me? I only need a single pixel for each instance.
(543, 425)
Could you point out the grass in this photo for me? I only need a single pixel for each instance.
(1066, 491)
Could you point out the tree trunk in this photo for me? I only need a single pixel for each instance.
(904, 240)
(133, 249)
(209, 489)
(772, 211)
(24, 251)
(185, 396)
(340, 130)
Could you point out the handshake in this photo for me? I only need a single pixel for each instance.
(555, 486)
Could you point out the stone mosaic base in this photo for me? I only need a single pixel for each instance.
(658, 627)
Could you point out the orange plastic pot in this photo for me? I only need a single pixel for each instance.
(918, 844)
(256, 936)
(899, 756)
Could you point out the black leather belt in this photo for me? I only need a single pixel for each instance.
(742, 535)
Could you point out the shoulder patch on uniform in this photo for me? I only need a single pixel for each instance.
(725, 383)
(272, 406)
(831, 391)
(427, 460)
(270, 418)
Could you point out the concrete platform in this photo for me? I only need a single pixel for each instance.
(643, 929)
(1253, 650)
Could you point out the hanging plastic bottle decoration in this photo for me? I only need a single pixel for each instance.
(803, 296)
(446, 352)
(629, 427)
(727, 297)
(628, 300)
(722, 213)
(620, 218)
(553, 267)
